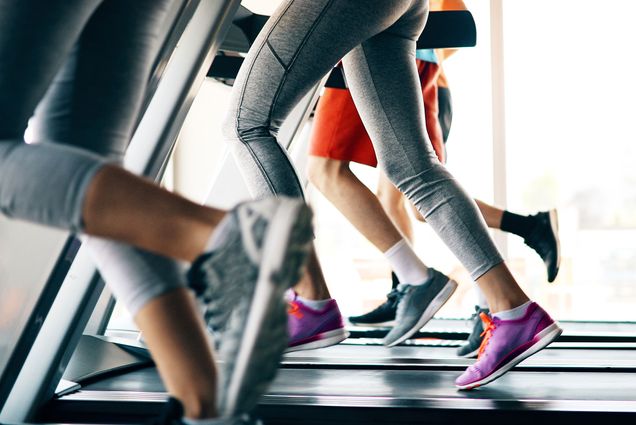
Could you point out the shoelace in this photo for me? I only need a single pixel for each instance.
(394, 297)
(487, 333)
(294, 309)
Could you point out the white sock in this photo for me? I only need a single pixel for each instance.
(314, 304)
(406, 264)
(208, 421)
(513, 313)
(481, 298)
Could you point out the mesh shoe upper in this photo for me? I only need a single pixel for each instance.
(417, 304)
(306, 324)
(506, 342)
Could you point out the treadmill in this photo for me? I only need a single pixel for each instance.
(585, 377)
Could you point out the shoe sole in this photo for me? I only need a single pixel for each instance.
(288, 235)
(546, 336)
(437, 303)
(326, 339)
(554, 226)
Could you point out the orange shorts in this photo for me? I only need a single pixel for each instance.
(338, 131)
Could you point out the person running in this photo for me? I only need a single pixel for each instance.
(89, 82)
(302, 42)
(339, 137)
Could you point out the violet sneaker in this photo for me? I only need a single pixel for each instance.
(506, 343)
(309, 328)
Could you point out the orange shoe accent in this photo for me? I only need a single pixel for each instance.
(294, 310)
(489, 326)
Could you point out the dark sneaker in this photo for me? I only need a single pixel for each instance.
(241, 286)
(172, 414)
(418, 304)
(508, 342)
(544, 239)
(384, 314)
(471, 347)
(309, 329)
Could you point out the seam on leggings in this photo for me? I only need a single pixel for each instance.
(258, 163)
(237, 120)
(287, 69)
(251, 68)
(280, 87)
(278, 58)
(404, 153)
(379, 100)
(295, 56)
(491, 261)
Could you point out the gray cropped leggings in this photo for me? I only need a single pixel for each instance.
(84, 64)
(300, 44)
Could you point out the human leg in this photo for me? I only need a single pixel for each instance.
(277, 72)
(412, 166)
(152, 295)
(335, 180)
(363, 209)
(394, 205)
(283, 65)
(150, 286)
(280, 69)
(49, 183)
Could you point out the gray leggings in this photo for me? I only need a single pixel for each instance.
(300, 44)
(85, 64)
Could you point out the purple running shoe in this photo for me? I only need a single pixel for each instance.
(309, 328)
(506, 343)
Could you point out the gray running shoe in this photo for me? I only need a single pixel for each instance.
(241, 283)
(471, 347)
(418, 304)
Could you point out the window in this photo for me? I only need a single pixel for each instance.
(571, 144)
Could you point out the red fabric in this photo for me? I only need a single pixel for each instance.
(339, 133)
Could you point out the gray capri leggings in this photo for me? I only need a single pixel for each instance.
(85, 64)
(301, 42)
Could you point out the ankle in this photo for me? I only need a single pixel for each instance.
(505, 304)
(312, 296)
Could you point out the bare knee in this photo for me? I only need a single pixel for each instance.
(390, 197)
(326, 173)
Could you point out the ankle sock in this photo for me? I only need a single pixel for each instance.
(513, 313)
(520, 225)
(314, 304)
(406, 264)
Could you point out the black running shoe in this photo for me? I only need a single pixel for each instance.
(471, 347)
(384, 314)
(544, 239)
